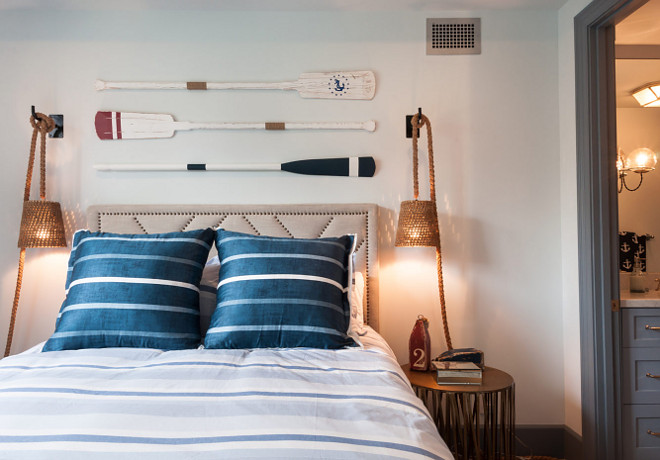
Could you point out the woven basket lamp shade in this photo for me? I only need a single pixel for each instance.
(42, 225)
(418, 224)
(418, 219)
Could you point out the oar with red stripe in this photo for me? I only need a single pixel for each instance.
(123, 125)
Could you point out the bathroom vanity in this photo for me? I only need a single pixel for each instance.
(641, 374)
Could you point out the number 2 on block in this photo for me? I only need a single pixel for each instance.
(420, 363)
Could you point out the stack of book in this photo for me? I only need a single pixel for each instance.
(457, 373)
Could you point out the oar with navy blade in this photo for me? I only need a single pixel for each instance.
(348, 167)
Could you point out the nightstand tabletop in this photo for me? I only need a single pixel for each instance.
(493, 380)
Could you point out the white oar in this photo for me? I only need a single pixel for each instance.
(122, 125)
(328, 85)
(350, 167)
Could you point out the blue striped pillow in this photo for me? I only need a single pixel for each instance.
(281, 292)
(132, 291)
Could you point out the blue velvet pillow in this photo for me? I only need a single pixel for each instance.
(281, 292)
(132, 291)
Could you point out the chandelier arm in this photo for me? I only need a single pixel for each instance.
(641, 179)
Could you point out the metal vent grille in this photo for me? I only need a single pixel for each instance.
(453, 36)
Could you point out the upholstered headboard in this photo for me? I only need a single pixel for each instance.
(298, 221)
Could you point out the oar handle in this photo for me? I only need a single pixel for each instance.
(279, 126)
(101, 85)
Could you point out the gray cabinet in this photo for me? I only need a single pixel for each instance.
(641, 383)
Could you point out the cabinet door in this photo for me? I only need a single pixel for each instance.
(641, 327)
(638, 443)
(641, 376)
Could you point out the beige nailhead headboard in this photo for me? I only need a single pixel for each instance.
(295, 221)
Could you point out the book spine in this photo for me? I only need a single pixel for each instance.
(458, 381)
(470, 374)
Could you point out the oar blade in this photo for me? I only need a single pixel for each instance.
(337, 85)
(126, 125)
(348, 167)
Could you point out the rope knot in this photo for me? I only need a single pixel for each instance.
(43, 123)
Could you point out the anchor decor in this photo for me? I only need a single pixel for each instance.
(632, 246)
(339, 85)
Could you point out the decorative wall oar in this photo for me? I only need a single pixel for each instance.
(328, 85)
(350, 167)
(123, 125)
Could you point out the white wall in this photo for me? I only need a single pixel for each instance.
(496, 129)
(638, 210)
(569, 227)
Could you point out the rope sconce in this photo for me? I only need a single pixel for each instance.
(418, 219)
(42, 225)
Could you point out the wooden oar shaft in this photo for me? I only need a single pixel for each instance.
(189, 167)
(193, 85)
(276, 126)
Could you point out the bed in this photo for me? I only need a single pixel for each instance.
(201, 403)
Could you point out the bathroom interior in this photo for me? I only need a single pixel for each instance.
(637, 65)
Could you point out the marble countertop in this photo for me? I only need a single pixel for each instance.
(649, 299)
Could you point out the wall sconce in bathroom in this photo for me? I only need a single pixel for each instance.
(641, 160)
(648, 95)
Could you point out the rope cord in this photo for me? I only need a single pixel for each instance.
(418, 123)
(416, 126)
(43, 125)
(17, 294)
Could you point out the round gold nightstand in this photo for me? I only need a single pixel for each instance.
(476, 421)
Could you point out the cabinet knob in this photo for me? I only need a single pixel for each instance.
(652, 328)
(652, 376)
(653, 433)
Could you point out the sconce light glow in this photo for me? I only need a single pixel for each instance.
(648, 95)
(43, 233)
(641, 160)
(619, 160)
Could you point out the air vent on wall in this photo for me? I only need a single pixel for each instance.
(453, 36)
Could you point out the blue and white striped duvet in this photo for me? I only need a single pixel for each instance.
(209, 404)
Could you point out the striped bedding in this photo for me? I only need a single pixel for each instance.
(148, 404)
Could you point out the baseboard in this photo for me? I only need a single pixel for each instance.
(557, 441)
(572, 445)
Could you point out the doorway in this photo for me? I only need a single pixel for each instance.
(600, 315)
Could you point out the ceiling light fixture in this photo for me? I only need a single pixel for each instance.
(648, 95)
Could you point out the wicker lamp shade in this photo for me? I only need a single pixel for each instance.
(418, 224)
(42, 225)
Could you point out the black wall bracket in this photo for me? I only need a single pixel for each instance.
(58, 131)
(409, 118)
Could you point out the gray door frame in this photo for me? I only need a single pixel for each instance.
(600, 340)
